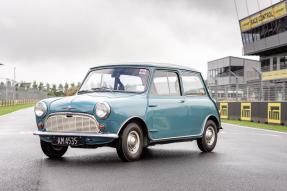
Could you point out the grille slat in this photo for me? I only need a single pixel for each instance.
(72, 123)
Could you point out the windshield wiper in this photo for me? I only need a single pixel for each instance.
(102, 89)
(85, 91)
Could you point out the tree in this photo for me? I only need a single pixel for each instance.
(54, 88)
(66, 87)
(41, 86)
(79, 84)
(60, 88)
(71, 91)
(34, 85)
(47, 87)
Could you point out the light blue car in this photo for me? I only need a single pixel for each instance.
(130, 107)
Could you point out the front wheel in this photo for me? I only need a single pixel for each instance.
(130, 143)
(208, 141)
(53, 151)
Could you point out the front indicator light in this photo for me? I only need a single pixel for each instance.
(101, 127)
(40, 125)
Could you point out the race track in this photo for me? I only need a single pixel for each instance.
(244, 159)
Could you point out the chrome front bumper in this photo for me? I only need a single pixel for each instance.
(42, 133)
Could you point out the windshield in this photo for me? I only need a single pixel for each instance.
(122, 79)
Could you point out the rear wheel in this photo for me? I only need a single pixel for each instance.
(208, 141)
(130, 143)
(53, 151)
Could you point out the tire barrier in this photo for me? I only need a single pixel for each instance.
(261, 112)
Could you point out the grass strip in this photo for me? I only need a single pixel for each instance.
(279, 128)
(9, 109)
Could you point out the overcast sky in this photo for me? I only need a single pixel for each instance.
(59, 40)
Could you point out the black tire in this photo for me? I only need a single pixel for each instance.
(53, 151)
(125, 151)
(207, 144)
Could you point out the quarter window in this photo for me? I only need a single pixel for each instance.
(165, 84)
(192, 84)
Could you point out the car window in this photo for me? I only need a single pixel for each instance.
(192, 84)
(165, 84)
(173, 83)
(123, 79)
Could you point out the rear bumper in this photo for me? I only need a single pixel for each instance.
(107, 135)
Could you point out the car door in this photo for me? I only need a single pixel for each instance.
(166, 109)
(196, 100)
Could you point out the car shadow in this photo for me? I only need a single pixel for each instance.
(110, 160)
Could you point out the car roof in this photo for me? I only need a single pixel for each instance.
(148, 64)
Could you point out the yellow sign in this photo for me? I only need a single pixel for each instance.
(274, 113)
(245, 111)
(274, 75)
(223, 109)
(267, 15)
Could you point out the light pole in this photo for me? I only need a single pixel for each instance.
(260, 78)
(6, 87)
(236, 77)
(13, 83)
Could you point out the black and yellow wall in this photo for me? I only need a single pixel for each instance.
(262, 112)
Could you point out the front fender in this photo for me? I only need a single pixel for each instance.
(122, 110)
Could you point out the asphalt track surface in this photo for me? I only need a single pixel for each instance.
(244, 159)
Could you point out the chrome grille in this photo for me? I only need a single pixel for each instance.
(72, 123)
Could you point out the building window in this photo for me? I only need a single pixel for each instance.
(223, 71)
(274, 63)
(237, 70)
(265, 65)
(283, 62)
(264, 31)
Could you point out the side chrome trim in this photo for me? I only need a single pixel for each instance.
(113, 136)
(175, 138)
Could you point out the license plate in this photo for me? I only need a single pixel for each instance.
(73, 141)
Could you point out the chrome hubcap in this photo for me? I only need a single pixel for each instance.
(133, 142)
(57, 148)
(210, 135)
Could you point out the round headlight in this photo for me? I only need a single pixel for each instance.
(103, 110)
(40, 109)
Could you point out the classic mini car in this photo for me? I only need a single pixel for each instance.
(130, 107)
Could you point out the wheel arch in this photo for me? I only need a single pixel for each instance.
(215, 120)
(142, 124)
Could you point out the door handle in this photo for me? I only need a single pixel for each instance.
(181, 101)
(152, 105)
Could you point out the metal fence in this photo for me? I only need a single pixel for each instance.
(16, 102)
(10, 95)
(251, 91)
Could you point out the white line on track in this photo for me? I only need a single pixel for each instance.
(266, 130)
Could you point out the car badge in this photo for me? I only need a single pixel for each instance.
(68, 108)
